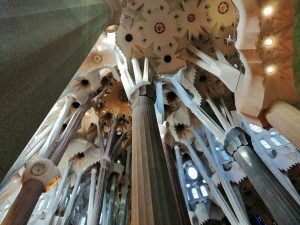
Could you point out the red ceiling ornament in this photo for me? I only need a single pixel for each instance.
(159, 27)
(223, 7)
(191, 18)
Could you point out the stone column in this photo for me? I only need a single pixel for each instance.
(37, 177)
(182, 203)
(153, 202)
(45, 169)
(91, 196)
(281, 204)
(30, 193)
(286, 119)
(181, 174)
(100, 190)
(112, 198)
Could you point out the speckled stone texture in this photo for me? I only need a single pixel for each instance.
(42, 44)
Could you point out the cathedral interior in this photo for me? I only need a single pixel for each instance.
(161, 112)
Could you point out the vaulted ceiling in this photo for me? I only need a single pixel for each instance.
(43, 43)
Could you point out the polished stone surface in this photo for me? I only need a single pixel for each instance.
(42, 44)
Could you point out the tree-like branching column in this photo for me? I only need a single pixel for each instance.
(41, 174)
(152, 200)
(107, 166)
(281, 204)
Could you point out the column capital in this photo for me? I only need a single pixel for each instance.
(43, 170)
(235, 139)
(143, 90)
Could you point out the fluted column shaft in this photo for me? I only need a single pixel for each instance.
(281, 204)
(100, 190)
(153, 202)
(112, 197)
(181, 173)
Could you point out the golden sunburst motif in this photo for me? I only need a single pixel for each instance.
(116, 102)
(221, 14)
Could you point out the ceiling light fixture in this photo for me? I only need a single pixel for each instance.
(268, 10)
(270, 69)
(268, 42)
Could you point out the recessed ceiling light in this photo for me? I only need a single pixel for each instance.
(270, 69)
(268, 41)
(268, 10)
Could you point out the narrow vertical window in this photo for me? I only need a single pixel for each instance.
(265, 144)
(203, 191)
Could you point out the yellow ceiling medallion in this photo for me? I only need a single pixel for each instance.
(97, 58)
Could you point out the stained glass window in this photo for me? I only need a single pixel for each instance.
(192, 172)
(255, 128)
(275, 141)
(203, 191)
(265, 144)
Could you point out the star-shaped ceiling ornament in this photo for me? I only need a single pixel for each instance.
(116, 102)
(220, 13)
(190, 17)
(150, 28)
(130, 38)
(169, 58)
(159, 25)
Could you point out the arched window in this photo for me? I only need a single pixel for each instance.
(275, 141)
(195, 193)
(192, 172)
(203, 191)
(265, 144)
(255, 128)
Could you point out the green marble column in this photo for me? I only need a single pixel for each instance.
(43, 43)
